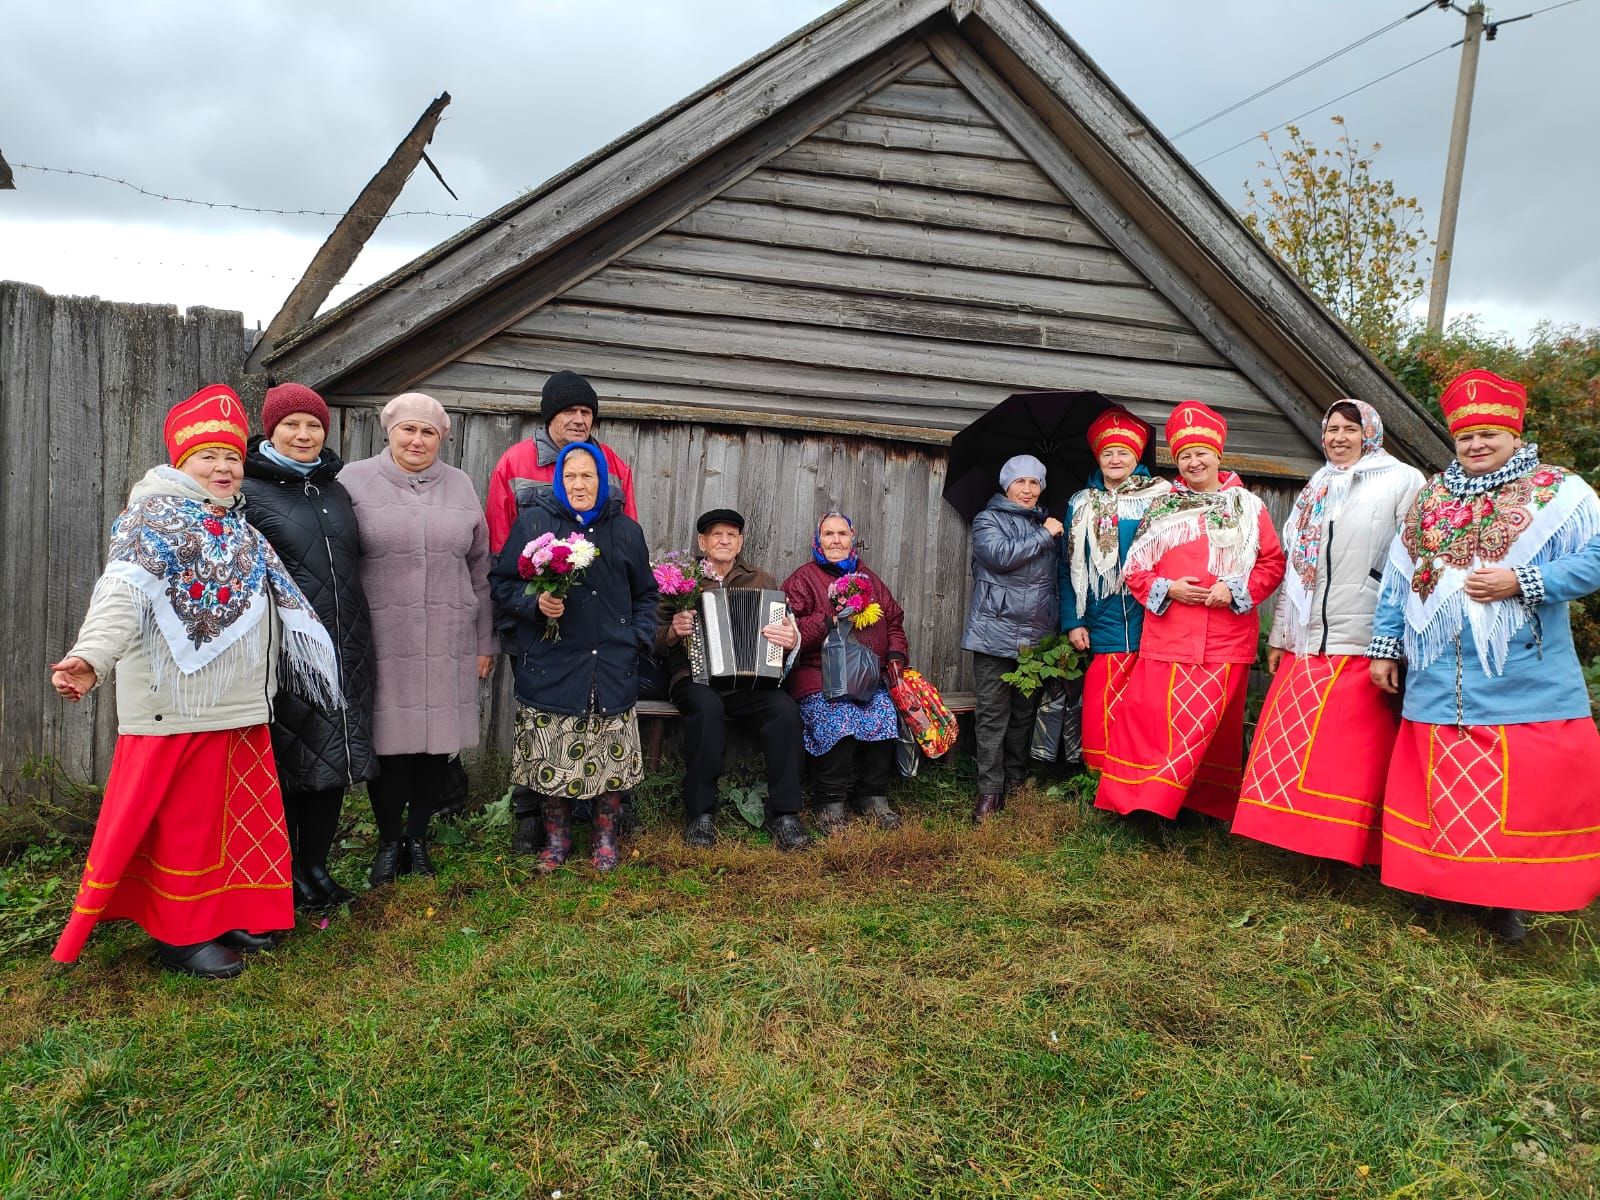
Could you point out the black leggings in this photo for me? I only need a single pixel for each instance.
(313, 822)
(406, 792)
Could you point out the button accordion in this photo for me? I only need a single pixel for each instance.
(727, 651)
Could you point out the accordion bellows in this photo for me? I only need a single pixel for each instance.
(727, 651)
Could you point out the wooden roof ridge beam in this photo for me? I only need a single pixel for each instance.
(338, 253)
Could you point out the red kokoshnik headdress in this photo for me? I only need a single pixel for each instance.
(1118, 427)
(1194, 424)
(1483, 400)
(213, 416)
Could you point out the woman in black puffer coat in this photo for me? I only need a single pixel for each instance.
(294, 498)
(576, 737)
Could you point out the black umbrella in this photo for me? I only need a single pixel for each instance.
(1052, 426)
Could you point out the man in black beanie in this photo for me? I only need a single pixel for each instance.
(569, 408)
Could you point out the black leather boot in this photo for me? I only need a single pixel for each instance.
(335, 895)
(831, 814)
(208, 960)
(1510, 925)
(386, 866)
(417, 854)
(308, 897)
(244, 942)
(987, 805)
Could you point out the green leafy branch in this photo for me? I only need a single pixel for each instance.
(1052, 659)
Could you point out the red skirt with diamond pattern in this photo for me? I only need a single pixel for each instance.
(1500, 815)
(1314, 783)
(190, 842)
(1178, 740)
(1104, 684)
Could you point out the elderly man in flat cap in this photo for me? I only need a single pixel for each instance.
(569, 408)
(707, 711)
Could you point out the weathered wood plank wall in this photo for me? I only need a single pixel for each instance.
(84, 387)
(907, 264)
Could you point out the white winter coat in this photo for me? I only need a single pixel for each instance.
(1354, 547)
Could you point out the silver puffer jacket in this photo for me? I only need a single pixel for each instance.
(1013, 580)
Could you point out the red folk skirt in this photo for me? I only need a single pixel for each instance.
(1500, 815)
(190, 842)
(1178, 741)
(1314, 783)
(1104, 684)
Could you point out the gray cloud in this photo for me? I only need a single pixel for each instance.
(295, 104)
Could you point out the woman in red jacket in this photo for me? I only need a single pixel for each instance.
(1204, 557)
(847, 742)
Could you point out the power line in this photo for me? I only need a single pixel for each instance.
(1326, 103)
(244, 208)
(1321, 62)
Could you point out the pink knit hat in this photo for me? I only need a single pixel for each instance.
(287, 399)
(416, 406)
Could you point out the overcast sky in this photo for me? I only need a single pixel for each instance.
(294, 104)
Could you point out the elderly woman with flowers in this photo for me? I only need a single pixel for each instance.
(424, 567)
(848, 743)
(575, 597)
(1493, 792)
(197, 614)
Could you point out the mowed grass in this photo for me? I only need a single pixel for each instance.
(1053, 1005)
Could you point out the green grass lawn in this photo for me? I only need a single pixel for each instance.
(1053, 1005)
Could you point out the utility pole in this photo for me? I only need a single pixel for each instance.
(1444, 247)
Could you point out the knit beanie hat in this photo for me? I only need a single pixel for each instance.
(289, 398)
(564, 390)
(1021, 466)
(415, 406)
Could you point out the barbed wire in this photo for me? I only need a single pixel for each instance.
(244, 208)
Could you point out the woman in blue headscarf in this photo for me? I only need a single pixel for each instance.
(848, 743)
(576, 737)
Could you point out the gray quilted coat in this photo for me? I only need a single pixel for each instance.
(1013, 580)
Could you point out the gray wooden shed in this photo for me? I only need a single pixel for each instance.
(793, 286)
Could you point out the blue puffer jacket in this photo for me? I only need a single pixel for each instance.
(1013, 580)
(1115, 621)
(609, 622)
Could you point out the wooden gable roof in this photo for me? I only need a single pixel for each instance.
(886, 223)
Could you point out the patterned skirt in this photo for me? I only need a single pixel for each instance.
(828, 722)
(1503, 815)
(576, 757)
(190, 842)
(1178, 741)
(1104, 684)
(1314, 783)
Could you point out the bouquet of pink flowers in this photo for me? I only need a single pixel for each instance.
(851, 595)
(552, 565)
(680, 577)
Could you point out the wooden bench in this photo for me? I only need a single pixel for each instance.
(658, 712)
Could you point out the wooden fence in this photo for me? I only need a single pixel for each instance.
(84, 386)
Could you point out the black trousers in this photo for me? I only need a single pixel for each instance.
(866, 763)
(406, 792)
(312, 819)
(1002, 724)
(706, 713)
